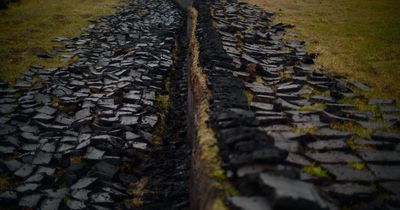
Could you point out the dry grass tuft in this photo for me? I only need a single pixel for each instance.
(138, 192)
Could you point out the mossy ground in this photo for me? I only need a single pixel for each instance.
(162, 102)
(313, 107)
(29, 26)
(306, 129)
(354, 128)
(358, 165)
(361, 104)
(315, 170)
(359, 39)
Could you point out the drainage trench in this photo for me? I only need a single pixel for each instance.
(185, 168)
(169, 166)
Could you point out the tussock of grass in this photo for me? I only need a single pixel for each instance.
(29, 26)
(315, 170)
(249, 95)
(259, 79)
(359, 39)
(219, 205)
(138, 192)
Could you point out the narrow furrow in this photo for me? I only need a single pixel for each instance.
(168, 186)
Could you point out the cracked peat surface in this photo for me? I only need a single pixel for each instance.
(109, 131)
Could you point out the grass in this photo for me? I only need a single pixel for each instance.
(314, 107)
(361, 104)
(354, 128)
(219, 205)
(249, 95)
(307, 129)
(358, 166)
(163, 102)
(29, 26)
(355, 147)
(315, 170)
(138, 192)
(359, 39)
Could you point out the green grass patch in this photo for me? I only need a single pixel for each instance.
(307, 129)
(313, 107)
(162, 101)
(361, 104)
(29, 26)
(353, 146)
(352, 127)
(315, 170)
(286, 75)
(357, 165)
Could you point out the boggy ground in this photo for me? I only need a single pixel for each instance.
(87, 136)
